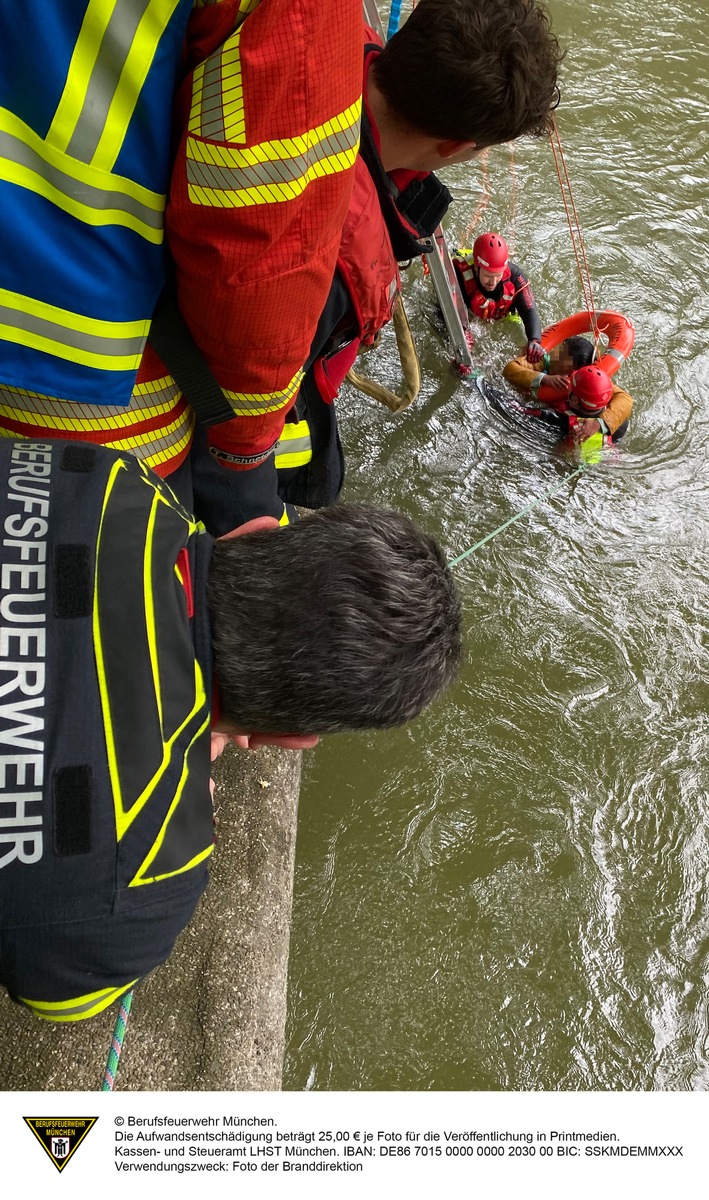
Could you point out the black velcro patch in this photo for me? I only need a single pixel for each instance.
(424, 203)
(73, 585)
(78, 458)
(72, 789)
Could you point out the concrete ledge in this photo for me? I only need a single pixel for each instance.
(213, 1017)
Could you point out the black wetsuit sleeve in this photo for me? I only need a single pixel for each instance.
(524, 304)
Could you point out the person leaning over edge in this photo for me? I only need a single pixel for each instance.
(127, 635)
(549, 385)
(460, 75)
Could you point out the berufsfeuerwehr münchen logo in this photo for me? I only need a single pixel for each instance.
(60, 1136)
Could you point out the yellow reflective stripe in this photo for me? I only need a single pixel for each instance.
(76, 188)
(108, 345)
(23, 177)
(150, 607)
(294, 447)
(223, 176)
(275, 193)
(295, 429)
(158, 398)
(112, 56)
(345, 123)
(217, 107)
(293, 458)
(139, 878)
(156, 452)
(96, 18)
(100, 664)
(132, 441)
(79, 1008)
(152, 26)
(253, 404)
(153, 449)
(193, 124)
(234, 120)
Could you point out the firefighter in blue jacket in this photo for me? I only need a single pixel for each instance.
(118, 615)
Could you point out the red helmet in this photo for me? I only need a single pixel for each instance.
(590, 389)
(490, 252)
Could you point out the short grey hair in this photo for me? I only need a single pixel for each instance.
(348, 619)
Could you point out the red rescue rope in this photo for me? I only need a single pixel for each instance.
(484, 199)
(572, 217)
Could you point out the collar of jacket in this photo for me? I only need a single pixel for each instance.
(411, 215)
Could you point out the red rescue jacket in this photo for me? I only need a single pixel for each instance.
(482, 306)
(389, 219)
(493, 310)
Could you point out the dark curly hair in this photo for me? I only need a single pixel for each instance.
(580, 351)
(473, 70)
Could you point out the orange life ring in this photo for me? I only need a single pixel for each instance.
(617, 328)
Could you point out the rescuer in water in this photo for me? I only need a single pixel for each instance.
(567, 382)
(494, 288)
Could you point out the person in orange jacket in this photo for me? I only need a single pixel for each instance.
(592, 399)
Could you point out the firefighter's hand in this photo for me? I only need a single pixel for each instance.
(585, 427)
(557, 383)
(535, 352)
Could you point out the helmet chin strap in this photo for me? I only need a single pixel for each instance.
(580, 408)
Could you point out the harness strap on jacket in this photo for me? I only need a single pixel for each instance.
(172, 340)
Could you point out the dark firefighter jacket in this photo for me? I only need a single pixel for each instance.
(105, 680)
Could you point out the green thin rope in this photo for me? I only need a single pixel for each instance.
(549, 492)
(119, 1033)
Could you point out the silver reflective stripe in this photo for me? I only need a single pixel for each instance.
(298, 445)
(212, 115)
(615, 354)
(276, 171)
(98, 414)
(60, 335)
(116, 45)
(14, 150)
(53, 1011)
